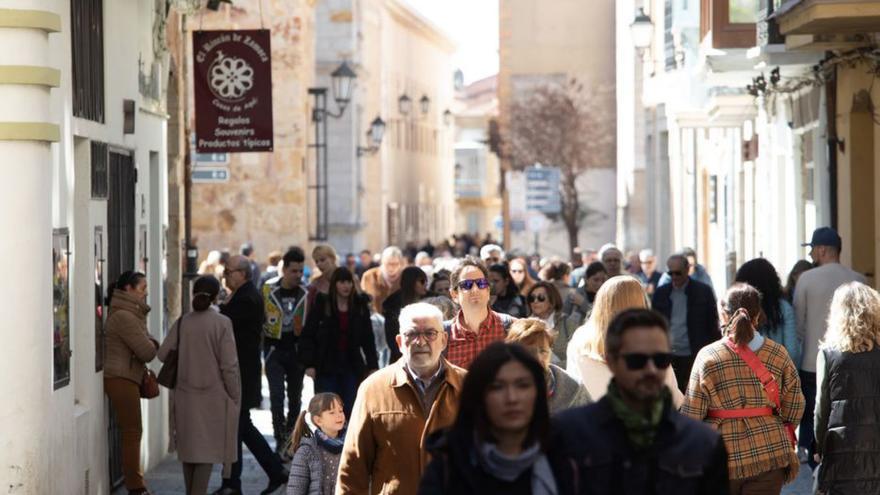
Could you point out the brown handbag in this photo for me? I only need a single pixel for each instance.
(149, 384)
(168, 372)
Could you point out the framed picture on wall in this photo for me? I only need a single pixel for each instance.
(100, 310)
(60, 308)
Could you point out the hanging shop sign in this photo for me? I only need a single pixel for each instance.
(233, 91)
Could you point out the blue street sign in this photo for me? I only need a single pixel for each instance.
(214, 174)
(542, 189)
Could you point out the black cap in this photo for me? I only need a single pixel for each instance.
(824, 236)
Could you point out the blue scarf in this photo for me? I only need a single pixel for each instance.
(332, 445)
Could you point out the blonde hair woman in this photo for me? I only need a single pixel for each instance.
(847, 373)
(585, 355)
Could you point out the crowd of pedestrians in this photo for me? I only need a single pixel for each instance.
(439, 372)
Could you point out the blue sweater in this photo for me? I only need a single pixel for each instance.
(785, 333)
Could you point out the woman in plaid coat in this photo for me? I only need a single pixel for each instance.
(724, 391)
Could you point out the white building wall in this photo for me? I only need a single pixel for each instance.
(55, 441)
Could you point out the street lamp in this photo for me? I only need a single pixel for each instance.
(343, 84)
(342, 81)
(447, 117)
(404, 105)
(425, 103)
(642, 30)
(374, 136)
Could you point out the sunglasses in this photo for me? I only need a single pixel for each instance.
(468, 284)
(637, 361)
(429, 335)
(675, 273)
(539, 297)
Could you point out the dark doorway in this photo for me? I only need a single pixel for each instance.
(120, 258)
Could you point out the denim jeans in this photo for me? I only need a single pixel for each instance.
(344, 384)
(282, 368)
(806, 435)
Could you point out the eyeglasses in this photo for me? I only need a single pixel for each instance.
(537, 297)
(637, 361)
(468, 284)
(675, 273)
(230, 272)
(429, 335)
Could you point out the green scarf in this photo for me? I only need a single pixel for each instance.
(640, 430)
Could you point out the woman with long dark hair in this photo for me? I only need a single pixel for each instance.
(779, 321)
(499, 441)
(519, 270)
(413, 288)
(337, 346)
(791, 282)
(579, 303)
(207, 395)
(505, 292)
(747, 387)
(129, 347)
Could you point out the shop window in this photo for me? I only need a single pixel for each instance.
(60, 308)
(731, 23)
(100, 176)
(87, 42)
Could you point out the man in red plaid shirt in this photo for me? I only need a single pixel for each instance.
(475, 326)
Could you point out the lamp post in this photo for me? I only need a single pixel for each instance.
(642, 32)
(425, 104)
(342, 83)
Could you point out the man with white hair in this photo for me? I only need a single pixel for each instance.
(612, 258)
(491, 254)
(382, 281)
(397, 408)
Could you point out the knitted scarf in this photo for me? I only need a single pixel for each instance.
(332, 445)
(640, 430)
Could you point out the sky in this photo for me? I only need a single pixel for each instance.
(473, 25)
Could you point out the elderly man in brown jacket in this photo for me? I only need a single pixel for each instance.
(382, 281)
(398, 407)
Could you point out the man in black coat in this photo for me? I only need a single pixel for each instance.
(633, 441)
(692, 312)
(245, 308)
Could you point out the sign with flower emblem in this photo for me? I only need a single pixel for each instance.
(233, 91)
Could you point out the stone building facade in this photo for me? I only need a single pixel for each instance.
(264, 199)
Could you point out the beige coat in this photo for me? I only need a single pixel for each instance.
(377, 287)
(128, 342)
(207, 396)
(384, 449)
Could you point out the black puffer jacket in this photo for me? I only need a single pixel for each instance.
(848, 423)
(319, 342)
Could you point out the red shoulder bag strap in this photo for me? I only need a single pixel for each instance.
(768, 381)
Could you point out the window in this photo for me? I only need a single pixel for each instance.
(87, 41)
(99, 170)
(731, 23)
(60, 308)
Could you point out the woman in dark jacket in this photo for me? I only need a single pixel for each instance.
(499, 441)
(337, 346)
(507, 299)
(413, 287)
(847, 404)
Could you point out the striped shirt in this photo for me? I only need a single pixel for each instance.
(722, 380)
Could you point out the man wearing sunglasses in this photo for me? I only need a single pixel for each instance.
(634, 429)
(476, 325)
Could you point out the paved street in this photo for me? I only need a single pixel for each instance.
(167, 477)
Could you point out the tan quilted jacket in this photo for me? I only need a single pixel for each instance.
(128, 342)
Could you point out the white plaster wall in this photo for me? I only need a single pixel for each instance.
(50, 439)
